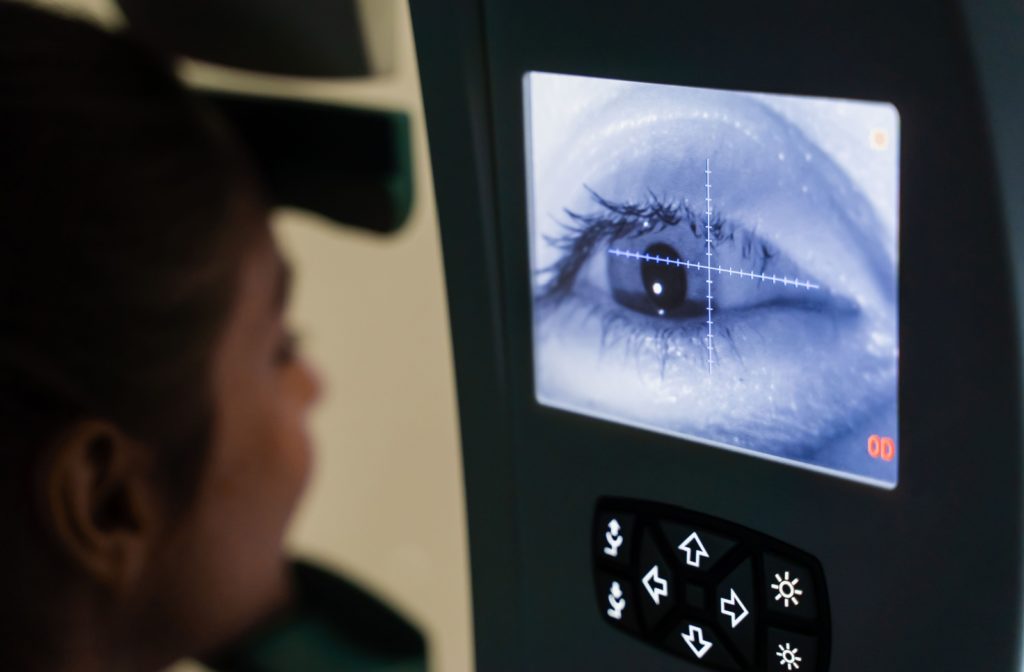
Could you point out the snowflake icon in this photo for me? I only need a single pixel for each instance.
(788, 658)
(786, 590)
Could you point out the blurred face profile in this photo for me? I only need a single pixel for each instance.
(226, 561)
(152, 402)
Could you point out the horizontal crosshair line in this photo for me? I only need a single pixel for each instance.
(792, 282)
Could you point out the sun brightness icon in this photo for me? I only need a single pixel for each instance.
(788, 658)
(786, 590)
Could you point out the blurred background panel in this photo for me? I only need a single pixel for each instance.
(386, 503)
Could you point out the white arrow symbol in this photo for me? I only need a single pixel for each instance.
(694, 638)
(655, 591)
(694, 549)
(613, 538)
(616, 601)
(735, 615)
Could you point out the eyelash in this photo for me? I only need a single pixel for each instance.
(618, 221)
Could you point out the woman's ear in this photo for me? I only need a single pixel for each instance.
(100, 502)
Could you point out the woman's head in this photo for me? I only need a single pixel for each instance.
(150, 402)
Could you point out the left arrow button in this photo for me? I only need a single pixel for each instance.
(656, 582)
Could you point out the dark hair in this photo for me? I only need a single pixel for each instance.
(119, 248)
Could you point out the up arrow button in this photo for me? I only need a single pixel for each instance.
(696, 549)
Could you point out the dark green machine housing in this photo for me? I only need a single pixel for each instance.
(924, 576)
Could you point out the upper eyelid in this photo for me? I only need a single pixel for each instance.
(628, 220)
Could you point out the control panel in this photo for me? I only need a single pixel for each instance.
(715, 593)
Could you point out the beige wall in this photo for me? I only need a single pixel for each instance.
(386, 504)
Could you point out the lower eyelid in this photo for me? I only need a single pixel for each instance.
(678, 343)
(623, 331)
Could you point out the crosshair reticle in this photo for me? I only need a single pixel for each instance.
(710, 267)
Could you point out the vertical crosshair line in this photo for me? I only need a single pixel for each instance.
(707, 185)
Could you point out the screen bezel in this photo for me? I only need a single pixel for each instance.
(694, 437)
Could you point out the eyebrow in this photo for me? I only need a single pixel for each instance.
(282, 289)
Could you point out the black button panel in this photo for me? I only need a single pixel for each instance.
(707, 590)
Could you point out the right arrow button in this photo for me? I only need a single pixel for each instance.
(735, 609)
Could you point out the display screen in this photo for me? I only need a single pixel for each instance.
(719, 266)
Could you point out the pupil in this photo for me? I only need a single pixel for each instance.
(664, 283)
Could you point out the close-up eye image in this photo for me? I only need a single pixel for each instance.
(720, 266)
